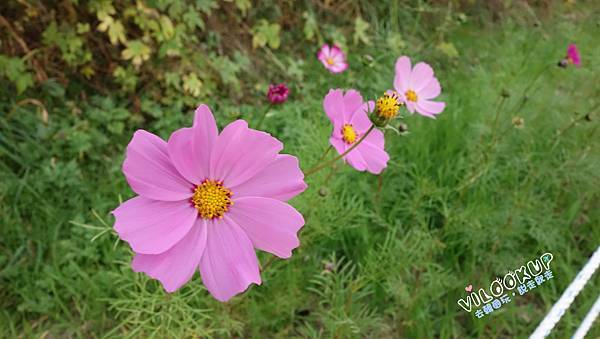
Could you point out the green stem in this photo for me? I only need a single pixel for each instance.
(317, 168)
(325, 153)
(521, 102)
(263, 116)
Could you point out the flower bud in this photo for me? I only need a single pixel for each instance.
(278, 94)
(386, 108)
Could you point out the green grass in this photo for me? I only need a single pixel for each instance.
(464, 198)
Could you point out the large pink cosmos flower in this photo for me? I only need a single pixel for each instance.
(349, 116)
(417, 86)
(332, 58)
(206, 200)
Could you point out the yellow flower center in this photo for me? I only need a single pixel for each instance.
(212, 199)
(411, 95)
(349, 134)
(329, 61)
(387, 106)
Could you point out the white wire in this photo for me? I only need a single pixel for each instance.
(587, 322)
(560, 307)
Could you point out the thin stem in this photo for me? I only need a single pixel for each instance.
(496, 117)
(331, 173)
(263, 116)
(379, 185)
(317, 168)
(521, 102)
(325, 153)
(268, 263)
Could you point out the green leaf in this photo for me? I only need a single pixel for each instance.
(310, 26)
(137, 52)
(114, 28)
(16, 71)
(206, 6)
(83, 28)
(192, 19)
(192, 85)
(264, 34)
(448, 49)
(361, 28)
(242, 5)
(168, 31)
(395, 42)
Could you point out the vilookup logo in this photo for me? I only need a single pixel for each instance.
(524, 279)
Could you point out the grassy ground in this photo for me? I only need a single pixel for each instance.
(465, 198)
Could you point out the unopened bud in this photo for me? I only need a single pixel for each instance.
(402, 128)
(563, 63)
(518, 122)
(323, 191)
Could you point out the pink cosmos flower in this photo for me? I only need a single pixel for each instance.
(417, 86)
(205, 201)
(332, 58)
(573, 55)
(349, 116)
(278, 94)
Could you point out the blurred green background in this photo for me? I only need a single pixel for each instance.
(465, 197)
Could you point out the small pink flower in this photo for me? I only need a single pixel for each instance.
(349, 116)
(573, 55)
(417, 86)
(332, 58)
(278, 94)
(205, 201)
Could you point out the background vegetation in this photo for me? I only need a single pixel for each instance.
(465, 197)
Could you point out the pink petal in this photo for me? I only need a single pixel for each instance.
(152, 226)
(336, 50)
(190, 148)
(352, 102)
(229, 264)
(376, 138)
(410, 106)
(420, 76)
(333, 104)
(149, 171)
(282, 180)
(337, 143)
(360, 119)
(324, 52)
(339, 58)
(430, 108)
(338, 67)
(270, 224)
(240, 153)
(432, 89)
(402, 74)
(355, 159)
(176, 266)
(374, 156)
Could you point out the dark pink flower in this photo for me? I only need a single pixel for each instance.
(278, 94)
(573, 55)
(205, 201)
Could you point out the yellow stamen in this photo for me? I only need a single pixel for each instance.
(330, 61)
(212, 199)
(387, 106)
(349, 134)
(411, 95)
